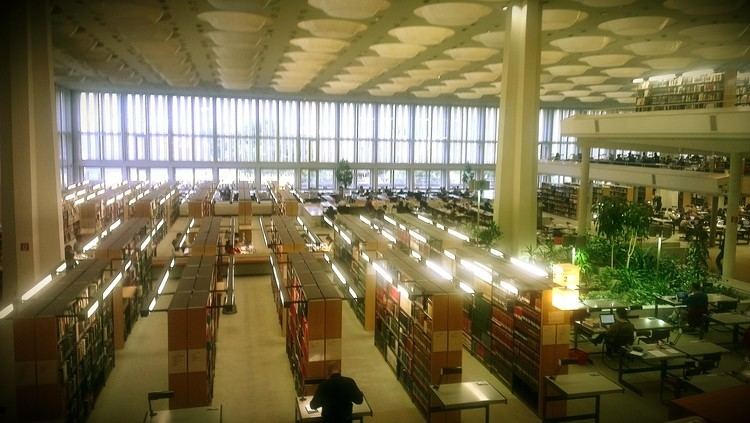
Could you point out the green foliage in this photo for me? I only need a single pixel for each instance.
(696, 261)
(467, 175)
(619, 221)
(344, 174)
(634, 286)
(486, 235)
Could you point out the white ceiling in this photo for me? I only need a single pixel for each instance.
(448, 52)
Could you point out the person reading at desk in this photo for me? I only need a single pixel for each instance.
(696, 306)
(336, 395)
(619, 334)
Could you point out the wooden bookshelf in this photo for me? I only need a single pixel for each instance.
(355, 243)
(417, 327)
(562, 199)
(245, 211)
(681, 92)
(192, 322)
(314, 323)
(283, 237)
(161, 202)
(199, 200)
(63, 353)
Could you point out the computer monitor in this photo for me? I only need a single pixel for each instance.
(606, 319)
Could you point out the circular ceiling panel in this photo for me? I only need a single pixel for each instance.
(235, 21)
(591, 99)
(576, 93)
(424, 74)
(305, 56)
(445, 65)
(567, 70)
(238, 5)
(468, 95)
(495, 67)
(334, 91)
(716, 33)
(458, 83)
(319, 45)
(636, 25)
(393, 87)
(558, 86)
(703, 7)
(422, 35)
(722, 52)
(425, 94)
(552, 97)
(556, 19)
(364, 70)
(550, 57)
(347, 9)
(332, 28)
(588, 80)
(471, 54)
(481, 76)
(486, 90)
(654, 48)
(397, 50)
(604, 87)
(379, 92)
(379, 61)
(626, 100)
(234, 39)
(606, 60)
(669, 63)
(452, 13)
(618, 94)
(354, 77)
(582, 44)
(628, 72)
(494, 39)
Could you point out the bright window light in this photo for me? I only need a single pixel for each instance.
(458, 235)
(92, 309)
(382, 272)
(5, 312)
(439, 270)
(528, 267)
(108, 290)
(466, 288)
(424, 219)
(403, 291)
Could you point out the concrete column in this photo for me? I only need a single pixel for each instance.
(733, 214)
(516, 166)
(712, 222)
(32, 224)
(584, 190)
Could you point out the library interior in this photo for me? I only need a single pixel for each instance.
(479, 211)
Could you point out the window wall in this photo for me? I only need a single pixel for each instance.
(193, 138)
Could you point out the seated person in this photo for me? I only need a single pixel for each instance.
(696, 306)
(327, 245)
(618, 335)
(70, 257)
(336, 395)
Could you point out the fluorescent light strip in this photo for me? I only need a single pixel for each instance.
(440, 226)
(90, 196)
(61, 267)
(439, 270)
(152, 305)
(104, 234)
(115, 225)
(128, 192)
(78, 202)
(382, 272)
(131, 202)
(424, 219)
(458, 235)
(162, 201)
(449, 255)
(365, 256)
(91, 244)
(299, 220)
(466, 288)
(128, 264)
(100, 192)
(528, 267)
(416, 255)
(70, 197)
(327, 220)
(352, 293)
(192, 222)
(171, 264)
(325, 256)
(346, 238)
(365, 220)
(119, 197)
(5, 312)
(108, 290)
(497, 253)
(92, 309)
(81, 192)
(163, 283)
(338, 273)
(417, 236)
(403, 227)
(110, 202)
(390, 220)
(160, 224)
(388, 236)
(145, 242)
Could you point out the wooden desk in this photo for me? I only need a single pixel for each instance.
(723, 405)
(187, 415)
(711, 382)
(650, 354)
(579, 386)
(302, 413)
(467, 395)
(700, 349)
(604, 304)
(731, 319)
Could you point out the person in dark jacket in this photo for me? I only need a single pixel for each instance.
(619, 334)
(336, 395)
(696, 305)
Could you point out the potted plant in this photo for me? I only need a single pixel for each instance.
(486, 235)
(467, 175)
(344, 176)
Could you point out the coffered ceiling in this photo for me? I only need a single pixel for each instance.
(397, 50)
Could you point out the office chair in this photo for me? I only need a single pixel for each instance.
(654, 336)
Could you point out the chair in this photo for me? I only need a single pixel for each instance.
(654, 336)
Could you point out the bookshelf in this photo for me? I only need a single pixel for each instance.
(314, 324)
(681, 92)
(160, 203)
(418, 327)
(562, 199)
(354, 244)
(192, 329)
(283, 237)
(245, 212)
(63, 346)
(199, 200)
(743, 90)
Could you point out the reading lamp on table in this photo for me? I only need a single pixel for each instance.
(447, 371)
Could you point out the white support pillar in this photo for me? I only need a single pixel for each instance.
(733, 214)
(584, 199)
(516, 166)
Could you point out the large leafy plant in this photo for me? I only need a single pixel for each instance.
(486, 235)
(344, 175)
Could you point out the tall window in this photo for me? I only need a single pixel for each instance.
(100, 125)
(308, 128)
(65, 135)
(347, 124)
(384, 149)
(137, 128)
(158, 127)
(365, 132)
(403, 121)
(268, 124)
(288, 121)
(226, 130)
(328, 132)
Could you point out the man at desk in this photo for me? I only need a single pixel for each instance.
(696, 306)
(619, 334)
(336, 395)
